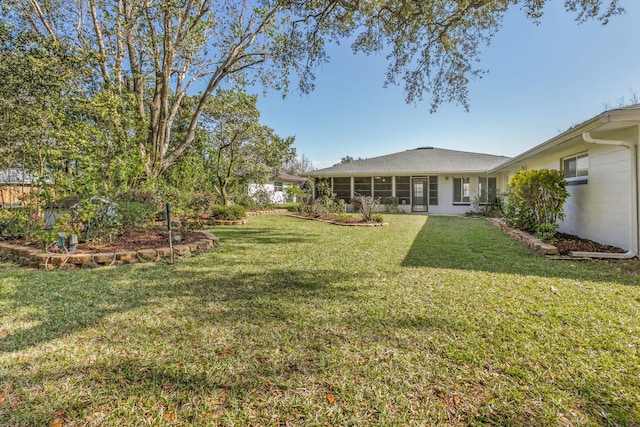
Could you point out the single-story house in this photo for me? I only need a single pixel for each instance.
(276, 188)
(599, 158)
(425, 179)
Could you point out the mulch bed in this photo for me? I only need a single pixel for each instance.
(130, 240)
(567, 243)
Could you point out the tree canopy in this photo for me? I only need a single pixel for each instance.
(144, 60)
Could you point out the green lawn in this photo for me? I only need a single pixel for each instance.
(438, 321)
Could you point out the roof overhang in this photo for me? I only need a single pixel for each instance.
(606, 122)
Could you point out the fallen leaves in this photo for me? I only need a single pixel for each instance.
(60, 418)
(450, 403)
(331, 399)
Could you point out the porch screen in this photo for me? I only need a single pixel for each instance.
(382, 186)
(403, 189)
(342, 188)
(362, 185)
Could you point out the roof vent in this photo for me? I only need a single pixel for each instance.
(424, 148)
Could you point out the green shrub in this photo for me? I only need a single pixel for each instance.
(377, 218)
(536, 198)
(391, 203)
(246, 201)
(20, 223)
(136, 208)
(263, 198)
(228, 213)
(546, 231)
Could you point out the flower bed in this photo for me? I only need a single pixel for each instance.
(40, 258)
(345, 220)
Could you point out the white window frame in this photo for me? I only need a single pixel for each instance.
(484, 180)
(581, 172)
(465, 190)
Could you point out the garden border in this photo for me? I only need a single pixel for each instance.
(39, 258)
(533, 243)
(345, 224)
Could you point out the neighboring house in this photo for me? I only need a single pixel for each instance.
(425, 179)
(15, 185)
(276, 189)
(599, 158)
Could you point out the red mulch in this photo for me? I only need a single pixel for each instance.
(567, 242)
(131, 240)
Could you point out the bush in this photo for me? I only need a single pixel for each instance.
(535, 199)
(377, 218)
(493, 209)
(326, 205)
(246, 201)
(20, 223)
(228, 213)
(263, 198)
(391, 203)
(367, 205)
(136, 208)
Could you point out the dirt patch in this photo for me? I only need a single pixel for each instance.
(130, 240)
(567, 243)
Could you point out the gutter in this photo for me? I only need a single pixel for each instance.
(633, 200)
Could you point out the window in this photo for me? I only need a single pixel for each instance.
(487, 190)
(403, 189)
(433, 190)
(342, 188)
(277, 186)
(461, 190)
(576, 167)
(362, 185)
(382, 186)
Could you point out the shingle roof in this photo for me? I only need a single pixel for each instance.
(289, 178)
(426, 160)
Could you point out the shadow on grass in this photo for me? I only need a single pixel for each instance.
(52, 306)
(263, 235)
(160, 333)
(474, 244)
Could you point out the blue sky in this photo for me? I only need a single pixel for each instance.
(542, 79)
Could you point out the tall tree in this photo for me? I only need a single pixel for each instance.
(159, 51)
(298, 166)
(240, 149)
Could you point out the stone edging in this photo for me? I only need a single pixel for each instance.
(229, 221)
(38, 258)
(268, 212)
(346, 224)
(533, 243)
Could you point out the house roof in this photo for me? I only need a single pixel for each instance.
(289, 178)
(424, 160)
(609, 120)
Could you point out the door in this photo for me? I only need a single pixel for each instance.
(419, 194)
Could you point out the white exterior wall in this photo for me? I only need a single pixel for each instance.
(600, 209)
(277, 197)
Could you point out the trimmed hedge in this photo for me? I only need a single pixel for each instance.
(228, 213)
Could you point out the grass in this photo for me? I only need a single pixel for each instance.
(438, 321)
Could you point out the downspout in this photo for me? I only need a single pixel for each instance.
(633, 166)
